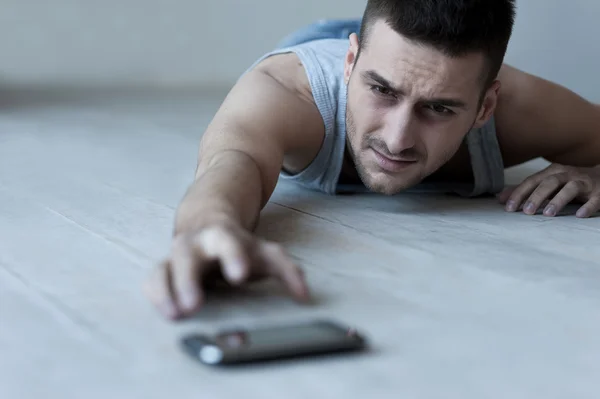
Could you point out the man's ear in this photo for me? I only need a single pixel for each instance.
(488, 105)
(351, 56)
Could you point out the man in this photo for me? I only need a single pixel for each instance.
(419, 97)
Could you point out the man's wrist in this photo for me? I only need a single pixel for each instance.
(187, 221)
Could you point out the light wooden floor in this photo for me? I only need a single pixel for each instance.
(458, 298)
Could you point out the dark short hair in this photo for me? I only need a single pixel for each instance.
(454, 27)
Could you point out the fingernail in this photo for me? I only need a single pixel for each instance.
(581, 213)
(550, 210)
(189, 300)
(511, 206)
(528, 207)
(169, 310)
(235, 271)
(306, 294)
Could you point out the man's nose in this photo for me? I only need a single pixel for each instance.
(400, 130)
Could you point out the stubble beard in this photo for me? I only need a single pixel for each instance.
(361, 170)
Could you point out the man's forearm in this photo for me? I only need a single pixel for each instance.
(229, 189)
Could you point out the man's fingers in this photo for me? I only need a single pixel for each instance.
(567, 194)
(547, 188)
(229, 251)
(590, 207)
(158, 289)
(279, 265)
(522, 191)
(186, 265)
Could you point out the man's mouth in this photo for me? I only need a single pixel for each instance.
(395, 164)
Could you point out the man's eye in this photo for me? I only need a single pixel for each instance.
(381, 90)
(440, 109)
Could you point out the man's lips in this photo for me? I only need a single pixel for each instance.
(392, 164)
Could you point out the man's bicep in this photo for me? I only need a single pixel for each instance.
(539, 118)
(267, 120)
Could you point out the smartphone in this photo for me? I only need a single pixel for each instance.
(277, 342)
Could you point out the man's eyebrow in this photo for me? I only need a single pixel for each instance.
(374, 76)
(446, 102)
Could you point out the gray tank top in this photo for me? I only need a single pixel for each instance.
(323, 61)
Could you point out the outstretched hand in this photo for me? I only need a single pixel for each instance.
(176, 287)
(559, 185)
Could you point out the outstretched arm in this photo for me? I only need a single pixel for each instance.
(266, 122)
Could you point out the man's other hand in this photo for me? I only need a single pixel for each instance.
(558, 184)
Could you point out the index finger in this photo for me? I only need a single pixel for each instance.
(522, 191)
(228, 249)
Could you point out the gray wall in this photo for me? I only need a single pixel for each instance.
(558, 40)
(197, 42)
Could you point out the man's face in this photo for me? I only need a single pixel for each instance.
(409, 108)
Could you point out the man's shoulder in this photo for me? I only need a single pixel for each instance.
(288, 71)
(313, 69)
(325, 56)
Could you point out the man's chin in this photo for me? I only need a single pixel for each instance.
(387, 183)
(387, 186)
